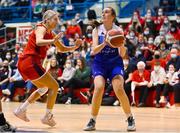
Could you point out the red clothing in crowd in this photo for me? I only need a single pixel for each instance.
(176, 35)
(162, 63)
(72, 30)
(137, 78)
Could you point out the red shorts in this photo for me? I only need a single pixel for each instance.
(30, 67)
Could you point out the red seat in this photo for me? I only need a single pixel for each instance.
(151, 97)
(81, 97)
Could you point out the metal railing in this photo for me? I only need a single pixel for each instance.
(25, 13)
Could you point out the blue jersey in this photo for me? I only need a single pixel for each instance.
(107, 63)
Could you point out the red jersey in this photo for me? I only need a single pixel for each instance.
(31, 47)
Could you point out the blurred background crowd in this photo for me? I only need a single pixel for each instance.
(152, 61)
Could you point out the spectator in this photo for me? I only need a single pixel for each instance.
(160, 37)
(136, 22)
(147, 33)
(148, 50)
(149, 22)
(175, 32)
(128, 70)
(131, 42)
(79, 21)
(159, 20)
(157, 59)
(176, 88)
(166, 25)
(163, 49)
(5, 74)
(54, 69)
(140, 79)
(177, 22)
(67, 74)
(138, 56)
(73, 30)
(81, 79)
(141, 42)
(91, 14)
(169, 83)
(174, 59)
(88, 34)
(14, 82)
(157, 81)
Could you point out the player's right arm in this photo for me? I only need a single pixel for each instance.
(40, 32)
(96, 48)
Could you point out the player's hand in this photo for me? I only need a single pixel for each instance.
(59, 35)
(78, 42)
(123, 51)
(11, 79)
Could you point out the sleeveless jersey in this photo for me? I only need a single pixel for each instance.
(107, 53)
(31, 47)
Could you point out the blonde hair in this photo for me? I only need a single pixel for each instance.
(49, 14)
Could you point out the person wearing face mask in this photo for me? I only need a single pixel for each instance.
(5, 74)
(157, 59)
(9, 57)
(175, 32)
(161, 37)
(138, 56)
(157, 81)
(73, 29)
(141, 42)
(166, 25)
(169, 82)
(140, 80)
(81, 79)
(148, 50)
(163, 50)
(159, 20)
(67, 74)
(149, 23)
(88, 35)
(174, 59)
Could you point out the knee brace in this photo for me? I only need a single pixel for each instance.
(42, 91)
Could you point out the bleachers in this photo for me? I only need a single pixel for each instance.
(16, 14)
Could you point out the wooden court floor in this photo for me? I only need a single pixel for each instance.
(72, 118)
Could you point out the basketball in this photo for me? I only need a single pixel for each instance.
(115, 38)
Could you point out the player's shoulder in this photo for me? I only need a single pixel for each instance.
(117, 27)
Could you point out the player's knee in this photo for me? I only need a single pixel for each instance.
(99, 89)
(42, 91)
(54, 86)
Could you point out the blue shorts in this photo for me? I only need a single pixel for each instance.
(108, 70)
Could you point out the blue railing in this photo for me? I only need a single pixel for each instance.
(124, 8)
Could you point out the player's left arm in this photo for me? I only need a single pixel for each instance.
(122, 50)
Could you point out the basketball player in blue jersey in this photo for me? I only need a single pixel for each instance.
(108, 63)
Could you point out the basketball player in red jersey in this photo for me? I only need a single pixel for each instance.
(29, 65)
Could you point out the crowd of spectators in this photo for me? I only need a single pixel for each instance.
(152, 61)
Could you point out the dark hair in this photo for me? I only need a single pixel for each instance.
(83, 61)
(113, 13)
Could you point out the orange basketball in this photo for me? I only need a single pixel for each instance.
(115, 38)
